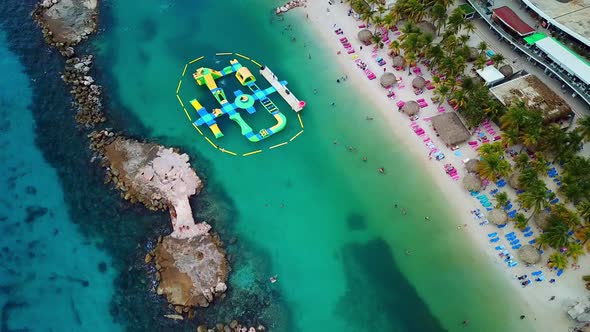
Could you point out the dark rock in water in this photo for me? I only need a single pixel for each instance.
(34, 212)
(5, 317)
(30, 190)
(102, 267)
(356, 222)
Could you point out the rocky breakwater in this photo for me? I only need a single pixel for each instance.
(290, 5)
(85, 91)
(190, 264)
(65, 23)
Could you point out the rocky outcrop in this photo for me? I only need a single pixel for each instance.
(156, 176)
(191, 272)
(66, 23)
(191, 268)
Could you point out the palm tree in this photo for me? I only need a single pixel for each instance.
(480, 62)
(395, 47)
(442, 91)
(574, 250)
(520, 221)
(501, 199)
(583, 234)
(438, 13)
(554, 141)
(558, 260)
(522, 161)
(539, 164)
(482, 47)
(498, 59)
(410, 59)
(511, 137)
(556, 235)
(494, 148)
(534, 197)
(492, 166)
(469, 27)
(583, 127)
(565, 215)
(584, 210)
(516, 115)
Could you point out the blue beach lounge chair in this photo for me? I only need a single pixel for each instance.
(537, 273)
(499, 247)
(486, 204)
(515, 242)
(494, 234)
(528, 228)
(512, 264)
(502, 226)
(560, 272)
(511, 233)
(494, 240)
(529, 234)
(516, 247)
(533, 241)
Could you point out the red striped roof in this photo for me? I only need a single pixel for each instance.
(510, 19)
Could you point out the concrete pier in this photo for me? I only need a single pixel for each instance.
(287, 95)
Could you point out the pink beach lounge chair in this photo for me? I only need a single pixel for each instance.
(400, 104)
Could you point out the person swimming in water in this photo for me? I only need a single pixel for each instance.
(381, 170)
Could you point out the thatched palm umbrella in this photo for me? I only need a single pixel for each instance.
(529, 254)
(399, 61)
(506, 70)
(542, 219)
(411, 108)
(426, 27)
(513, 180)
(472, 182)
(419, 82)
(365, 36)
(497, 216)
(471, 165)
(387, 80)
(473, 54)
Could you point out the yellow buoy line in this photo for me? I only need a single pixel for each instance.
(207, 138)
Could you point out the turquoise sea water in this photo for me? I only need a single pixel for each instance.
(325, 218)
(311, 212)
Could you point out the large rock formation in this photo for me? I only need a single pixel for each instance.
(67, 22)
(191, 271)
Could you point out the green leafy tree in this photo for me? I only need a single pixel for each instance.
(521, 221)
(534, 197)
(558, 260)
(501, 199)
(574, 250)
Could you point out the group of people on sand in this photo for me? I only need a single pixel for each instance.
(184, 228)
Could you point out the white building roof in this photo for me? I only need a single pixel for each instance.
(565, 58)
(490, 75)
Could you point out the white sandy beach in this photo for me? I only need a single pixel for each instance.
(545, 315)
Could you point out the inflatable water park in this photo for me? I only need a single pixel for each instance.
(242, 100)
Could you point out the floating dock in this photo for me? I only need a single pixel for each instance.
(287, 95)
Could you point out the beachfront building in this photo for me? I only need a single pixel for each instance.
(569, 17)
(537, 96)
(514, 25)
